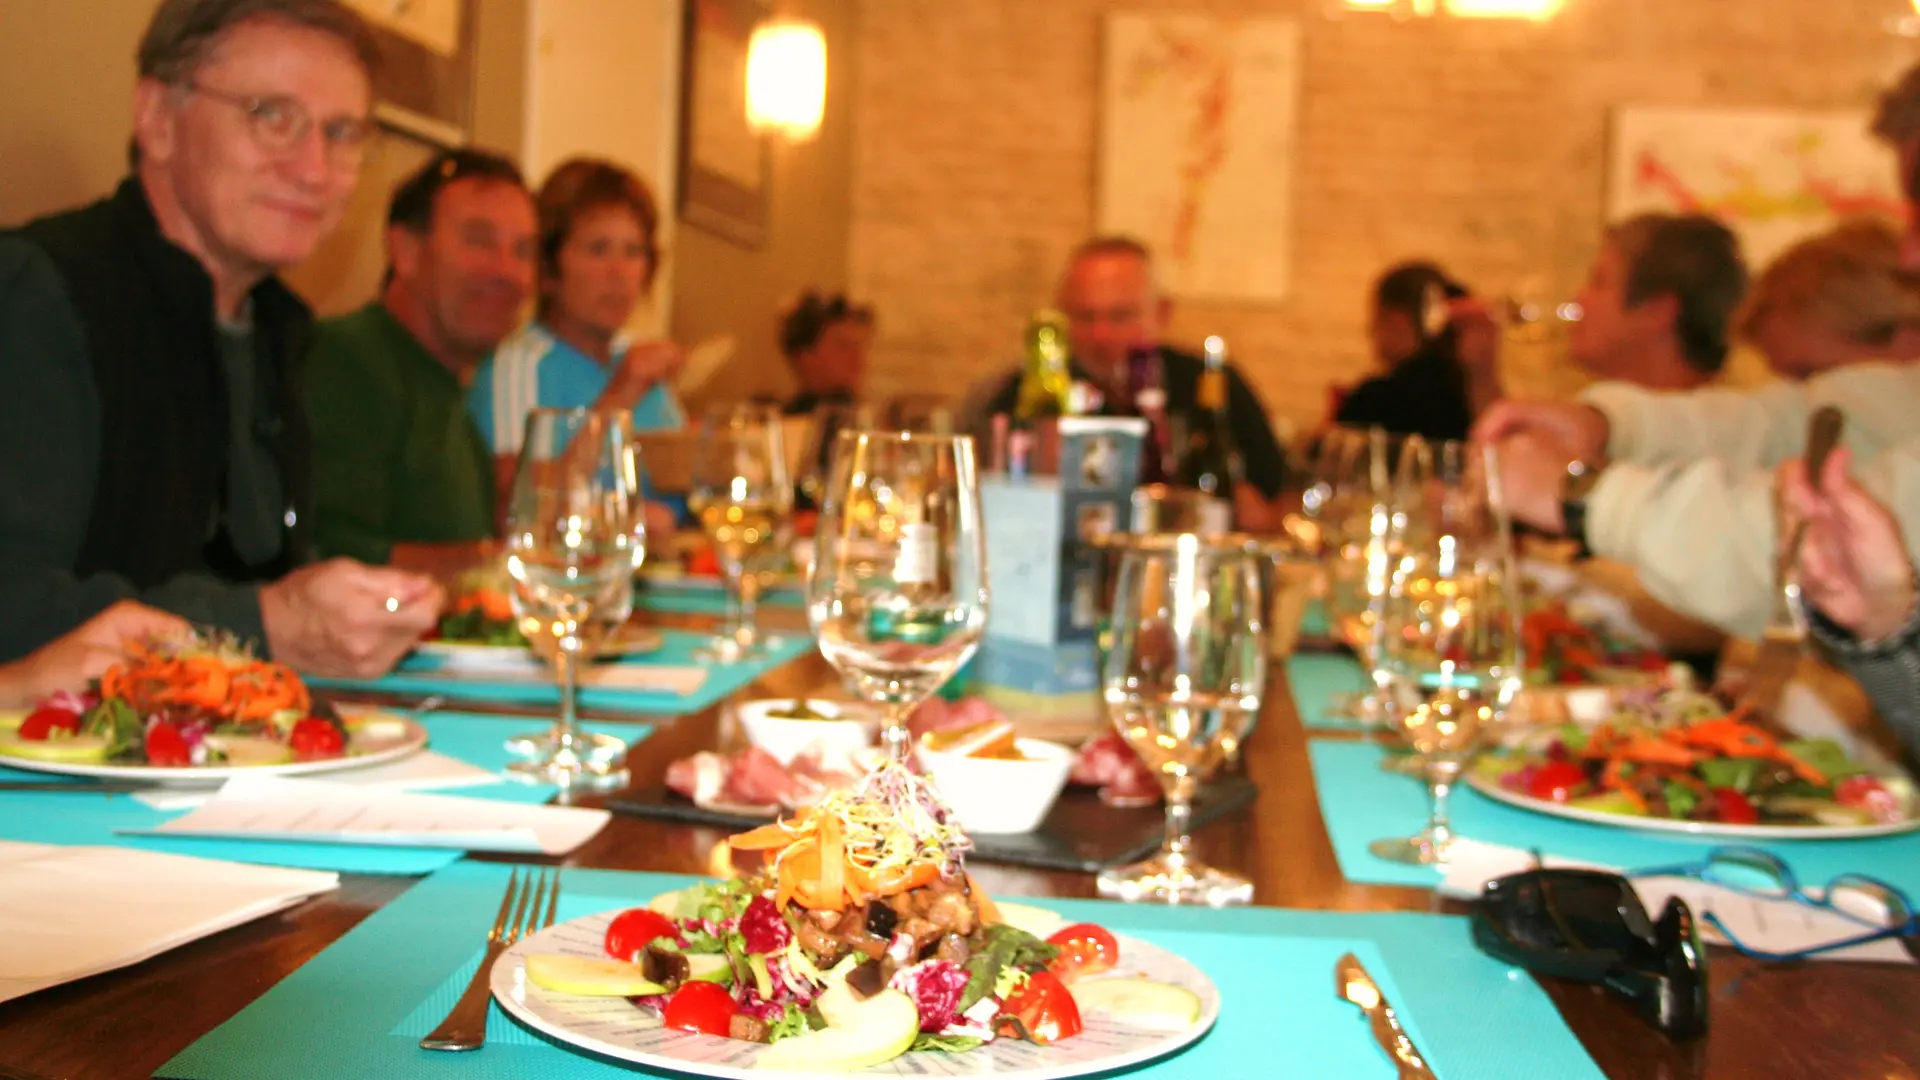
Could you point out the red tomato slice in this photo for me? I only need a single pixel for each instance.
(1085, 949)
(702, 1007)
(1734, 808)
(166, 746)
(1045, 1007)
(630, 931)
(1558, 781)
(316, 738)
(42, 722)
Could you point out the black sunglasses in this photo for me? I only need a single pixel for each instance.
(1590, 926)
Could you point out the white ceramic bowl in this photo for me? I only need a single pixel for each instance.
(1001, 795)
(849, 732)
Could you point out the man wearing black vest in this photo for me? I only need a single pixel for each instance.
(152, 441)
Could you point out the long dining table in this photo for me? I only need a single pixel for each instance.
(1810, 1020)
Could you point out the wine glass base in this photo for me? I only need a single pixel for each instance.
(1161, 880)
(1413, 850)
(721, 649)
(1414, 765)
(593, 762)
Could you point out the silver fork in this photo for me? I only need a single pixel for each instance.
(527, 906)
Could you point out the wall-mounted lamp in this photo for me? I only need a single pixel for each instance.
(787, 78)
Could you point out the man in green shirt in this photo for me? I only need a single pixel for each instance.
(396, 457)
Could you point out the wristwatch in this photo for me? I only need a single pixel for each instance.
(1574, 488)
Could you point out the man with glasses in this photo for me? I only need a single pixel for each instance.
(397, 458)
(151, 429)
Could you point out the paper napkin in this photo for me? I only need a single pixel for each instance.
(70, 912)
(321, 812)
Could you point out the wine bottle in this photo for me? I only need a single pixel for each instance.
(1208, 462)
(1046, 386)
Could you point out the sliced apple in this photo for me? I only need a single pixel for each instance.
(67, 749)
(251, 750)
(11, 719)
(1139, 1002)
(709, 967)
(666, 903)
(859, 1034)
(590, 977)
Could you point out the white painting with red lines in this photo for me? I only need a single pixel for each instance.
(1197, 119)
(1773, 176)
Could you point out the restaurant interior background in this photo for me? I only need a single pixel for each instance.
(957, 161)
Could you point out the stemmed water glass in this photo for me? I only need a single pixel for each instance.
(898, 591)
(743, 499)
(1182, 679)
(575, 534)
(1449, 641)
(1359, 510)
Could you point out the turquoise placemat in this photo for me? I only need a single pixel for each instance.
(704, 598)
(1313, 620)
(359, 1008)
(80, 818)
(1316, 679)
(1361, 803)
(422, 675)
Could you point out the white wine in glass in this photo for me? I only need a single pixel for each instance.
(743, 499)
(1450, 644)
(575, 534)
(898, 591)
(1182, 679)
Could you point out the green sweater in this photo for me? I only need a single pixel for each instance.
(396, 459)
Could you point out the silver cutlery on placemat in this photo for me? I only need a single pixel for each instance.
(527, 906)
(1354, 984)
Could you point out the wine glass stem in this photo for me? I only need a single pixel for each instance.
(749, 624)
(1439, 825)
(893, 733)
(736, 602)
(566, 665)
(1173, 848)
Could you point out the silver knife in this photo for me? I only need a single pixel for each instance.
(1354, 984)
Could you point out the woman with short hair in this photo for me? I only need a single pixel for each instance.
(598, 257)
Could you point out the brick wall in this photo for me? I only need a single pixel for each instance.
(1480, 143)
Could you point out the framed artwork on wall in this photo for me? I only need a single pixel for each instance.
(724, 164)
(1773, 176)
(1197, 149)
(425, 86)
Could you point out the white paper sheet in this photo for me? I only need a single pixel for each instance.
(70, 912)
(1780, 926)
(313, 811)
(424, 771)
(663, 677)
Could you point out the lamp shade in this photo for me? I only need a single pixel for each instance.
(787, 78)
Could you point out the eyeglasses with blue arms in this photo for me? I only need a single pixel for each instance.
(1758, 873)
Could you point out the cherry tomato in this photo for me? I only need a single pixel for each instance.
(630, 931)
(316, 738)
(1869, 794)
(1558, 781)
(1085, 949)
(1733, 808)
(703, 1007)
(42, 722)
(704, 563)
(166, 746)
(1046, 1007)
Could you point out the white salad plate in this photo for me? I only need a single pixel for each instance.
(373, 738)
(616, 1028)
(1491, 788)
(473, 656)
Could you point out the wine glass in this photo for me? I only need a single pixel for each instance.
(898, 591)
(743, 500)
(1450, 630)
(1182, 681)
(1360, 511)
(575, 534)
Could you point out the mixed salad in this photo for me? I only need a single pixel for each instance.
(1680, 755)
(862, 938)
(1562, 650)
(186, 701)
(480, 613)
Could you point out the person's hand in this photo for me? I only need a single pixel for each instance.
(67, 662)
(344, 619)
(644, 365)
(1853, 562)
(1533, 470)
(1581, 430)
